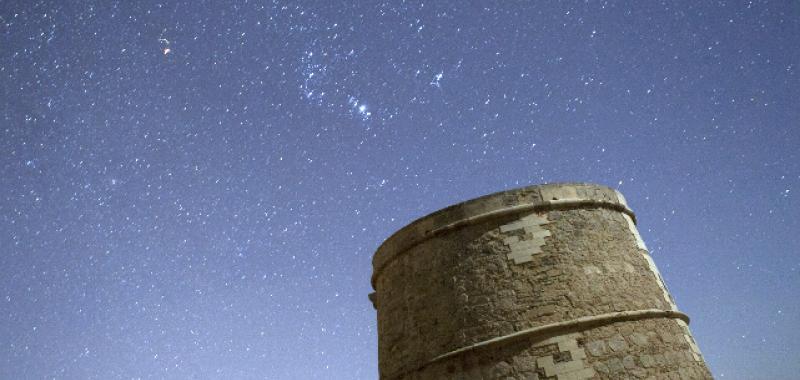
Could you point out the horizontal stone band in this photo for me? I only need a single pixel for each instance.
(554, 329)
(555, 204)
(542, 205)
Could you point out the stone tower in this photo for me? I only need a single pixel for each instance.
(543, 282)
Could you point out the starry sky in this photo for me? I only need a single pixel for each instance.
(195, 189)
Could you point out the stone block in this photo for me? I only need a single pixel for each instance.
(639, 339)
(628, 362)
(617, 343)
(596, 348)
(647, 361)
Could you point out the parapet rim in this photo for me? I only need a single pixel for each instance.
(569, 195)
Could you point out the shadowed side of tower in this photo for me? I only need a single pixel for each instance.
(543, 282)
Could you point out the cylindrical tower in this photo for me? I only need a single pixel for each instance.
(543, 282)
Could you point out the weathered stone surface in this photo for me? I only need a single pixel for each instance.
(520, 260)
(617, 343)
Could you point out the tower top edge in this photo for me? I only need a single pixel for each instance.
(550, 195)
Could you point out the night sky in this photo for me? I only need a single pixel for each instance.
(195, 189)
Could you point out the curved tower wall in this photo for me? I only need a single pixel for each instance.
(543, 282)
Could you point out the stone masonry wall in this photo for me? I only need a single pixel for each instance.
(474, 273)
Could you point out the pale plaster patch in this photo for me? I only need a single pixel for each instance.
(621, 199)
(660, 281)
(591, 269)
(687, 336)
(559, 193)
(635, 232)
(650, 263)
(530, 242)
(564, 193)
(574, 369)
